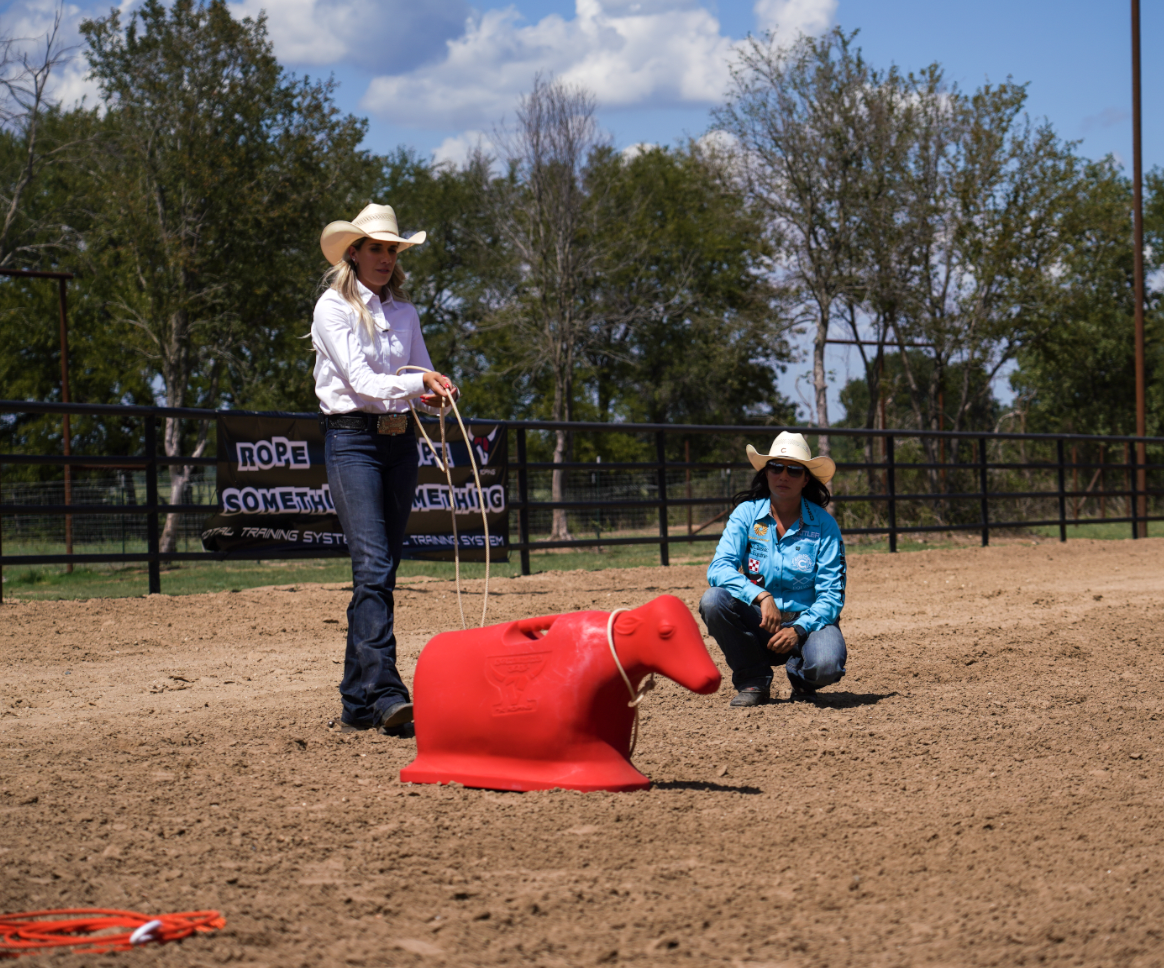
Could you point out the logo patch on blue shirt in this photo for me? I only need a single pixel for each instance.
(757, 550)
(805, 582)
(802, 562)
(810, 535)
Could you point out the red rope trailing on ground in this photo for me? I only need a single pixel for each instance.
(31, 931)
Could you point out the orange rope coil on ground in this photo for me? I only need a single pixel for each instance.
(31, 931)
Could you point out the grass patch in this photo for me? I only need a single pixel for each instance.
(50, 582)
(1101, 531)
(869, 545)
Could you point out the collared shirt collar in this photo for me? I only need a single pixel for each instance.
(387, 302)
(365, 293)
(806, 515)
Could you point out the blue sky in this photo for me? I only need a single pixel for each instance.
(431, 74)
(438, 75)
(1075, 57)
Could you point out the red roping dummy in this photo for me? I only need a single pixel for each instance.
(540, 703)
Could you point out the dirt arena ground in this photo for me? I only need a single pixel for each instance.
(983, 788)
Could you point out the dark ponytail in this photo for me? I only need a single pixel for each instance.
(814, 491)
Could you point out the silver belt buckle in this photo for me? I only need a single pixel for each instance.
(391, 423)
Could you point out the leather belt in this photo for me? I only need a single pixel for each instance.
(383, 423)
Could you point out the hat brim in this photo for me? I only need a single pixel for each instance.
(337, 236)
(822, 468)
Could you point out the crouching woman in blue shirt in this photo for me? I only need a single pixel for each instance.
(778, 577)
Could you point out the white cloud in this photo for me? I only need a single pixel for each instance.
(718, 142)
(72, 84)
(631, 152)
(660, 53)
(457, 149)
(629, 53)
(791, 17)
(378, 35)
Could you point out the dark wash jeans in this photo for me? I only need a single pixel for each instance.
(372, 479)
(735, 626)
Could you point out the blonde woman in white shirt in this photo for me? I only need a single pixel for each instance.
(364, 330)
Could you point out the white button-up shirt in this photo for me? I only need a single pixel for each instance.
(355, 371)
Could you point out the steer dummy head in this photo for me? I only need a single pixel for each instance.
(662, 637)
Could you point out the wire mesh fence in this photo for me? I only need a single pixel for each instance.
(126, 531)
(888, 483)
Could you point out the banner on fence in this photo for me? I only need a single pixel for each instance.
(272, 486)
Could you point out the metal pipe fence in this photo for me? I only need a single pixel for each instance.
(888, 484)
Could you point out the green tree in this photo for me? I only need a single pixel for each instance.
(1079, 374)
(458, 278)
(554, 243)
(693, 329)
(217, 173)
(993, 196)
(804, 131)
(33, 142)
(30, 366)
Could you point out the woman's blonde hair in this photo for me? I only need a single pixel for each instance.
(342, 278)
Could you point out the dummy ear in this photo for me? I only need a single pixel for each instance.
(627, 624)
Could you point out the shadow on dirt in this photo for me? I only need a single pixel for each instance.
(703, 786)
(849, 700)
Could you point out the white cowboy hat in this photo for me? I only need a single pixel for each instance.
(374, 222)
(793, 447)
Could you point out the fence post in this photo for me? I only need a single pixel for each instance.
(151, 452)
(687, 461)
(523, 496)
(1133, 482)
(1102, 480)
(1, 535)
(661, 452)
(1062, 492)
(982, 485)
(891, 486)
(1075, 482)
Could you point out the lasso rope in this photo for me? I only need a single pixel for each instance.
(645, 686)
(33, 931)
(445, 466)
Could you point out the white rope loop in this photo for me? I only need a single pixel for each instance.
(446, 466)
(637, 696)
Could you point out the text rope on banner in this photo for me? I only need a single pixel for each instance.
(444, 466)
(645, 686)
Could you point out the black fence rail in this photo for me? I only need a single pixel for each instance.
(889, 482)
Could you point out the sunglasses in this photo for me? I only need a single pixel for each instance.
(793, 470)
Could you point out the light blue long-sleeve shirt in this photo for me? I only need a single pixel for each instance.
(804, 571)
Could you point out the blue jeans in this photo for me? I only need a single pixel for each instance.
(372, 479)
(735, 626)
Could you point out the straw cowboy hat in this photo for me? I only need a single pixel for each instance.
(374, 222)
(793, 447)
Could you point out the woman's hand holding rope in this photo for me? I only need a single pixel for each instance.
(440, 389)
